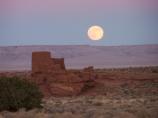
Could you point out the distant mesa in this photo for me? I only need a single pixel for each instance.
(18, 58)
(53, 78)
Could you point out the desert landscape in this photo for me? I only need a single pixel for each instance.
(78, 59)
(118, 93)
(89, 92)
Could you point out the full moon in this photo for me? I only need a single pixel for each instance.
(95, 32)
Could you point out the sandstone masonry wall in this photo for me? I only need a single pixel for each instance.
(42, 62)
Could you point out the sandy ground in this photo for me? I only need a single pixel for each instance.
(91, 107)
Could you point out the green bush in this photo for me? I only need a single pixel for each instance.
(18, 93)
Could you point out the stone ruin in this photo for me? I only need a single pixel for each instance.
(53, 78)
(42, 62)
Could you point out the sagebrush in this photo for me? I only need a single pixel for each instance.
(16, 93)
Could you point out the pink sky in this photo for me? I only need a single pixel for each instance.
(64, 5)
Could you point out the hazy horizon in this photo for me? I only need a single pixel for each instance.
(80, 56)
(76, 45)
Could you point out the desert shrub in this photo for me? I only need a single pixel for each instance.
(18, 93)
(154, 70)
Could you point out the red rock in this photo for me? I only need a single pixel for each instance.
(53, 79)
